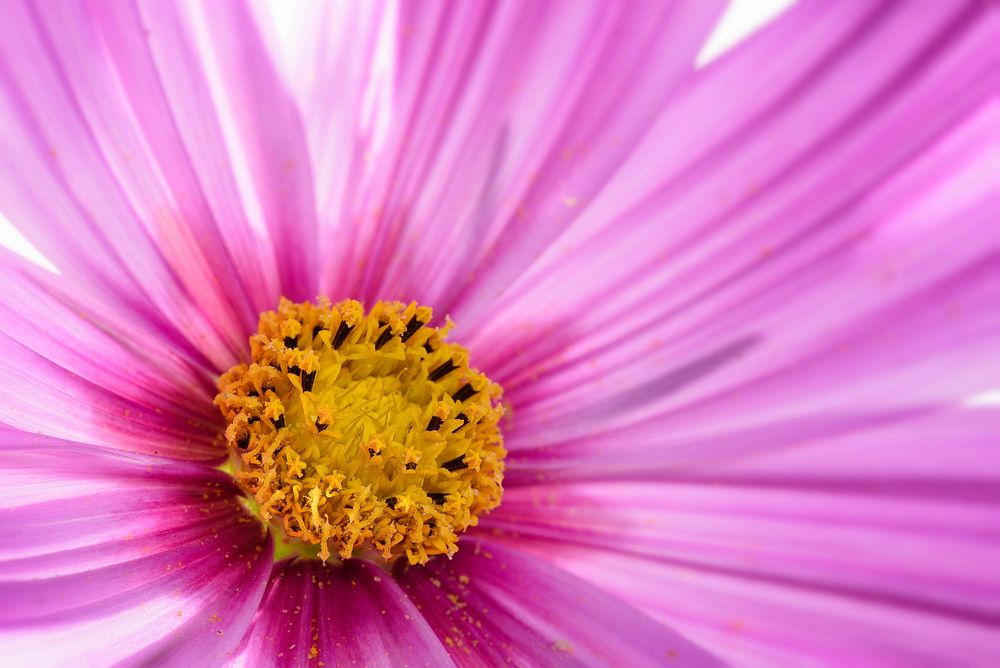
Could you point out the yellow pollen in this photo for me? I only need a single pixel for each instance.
(356, 430)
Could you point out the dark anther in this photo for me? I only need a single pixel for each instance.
(383, 338)
(342, 333)
(434, 424)
(464, 392)
(455, 464)
(465, 420)
(412, 328)
(293, 369)
(442, 371)
(308, 378)
(280, 422)
(427, 347)
(253, 393)
(243, 442)
(291, 341)
(316, 330)
(437, 497)
(391, 502)
(320, 426)
(252, 419)
(371, 452)
(411, 466)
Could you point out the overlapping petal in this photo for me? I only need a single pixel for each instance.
(38, 396)
(482, 126)
(880, 542)
(924, 354)
(912, 241)
(115, 140)
(491, 604)
(347, 614)
(105, 559)
(841, 190)
(107, 347)
(761, 622)
(736, 313)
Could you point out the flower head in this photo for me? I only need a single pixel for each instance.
(742, 317)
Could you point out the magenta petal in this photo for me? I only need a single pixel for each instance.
(106, 559)
(39, 396)
(271, 134)
(336, 72)
(880, 369)
(351, 614)
(491, 605)
(632, 57)
(493, 110)
(106, 347)
(118, 116)
(79, 167)
(765, 622)
(881, 541)
(860, 180)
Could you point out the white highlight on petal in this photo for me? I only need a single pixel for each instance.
(988, 398)
(378, 104)
(12, 239)
(741, 19)
(239, 162)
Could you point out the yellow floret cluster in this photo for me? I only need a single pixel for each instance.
(356, 429)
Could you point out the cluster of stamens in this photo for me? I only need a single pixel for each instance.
(356, 430)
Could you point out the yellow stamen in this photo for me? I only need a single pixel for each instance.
(363, 431)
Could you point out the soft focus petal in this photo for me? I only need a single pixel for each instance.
(116, 140)
(862, 182)
(499, 117)
(351, 614)
(105, 559)
(764, 622)
(785, 361)
(493, 605)
(924, 250)
(881, 542)
(918, 356)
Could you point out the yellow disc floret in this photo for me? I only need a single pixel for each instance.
(356, 430)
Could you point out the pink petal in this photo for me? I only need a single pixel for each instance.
(766, 622)
(115, 142)
(105, 559)
(882, 541)
(349, 614)
(926, 255)
(38, 396)
(108, 348)
(271, 133)
(493, 605)
(885, 368)
(331, 55)
(496, 110)
(759, 216)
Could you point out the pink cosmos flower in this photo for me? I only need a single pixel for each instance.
(737, 314)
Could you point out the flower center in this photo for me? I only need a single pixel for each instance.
(354, 430)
